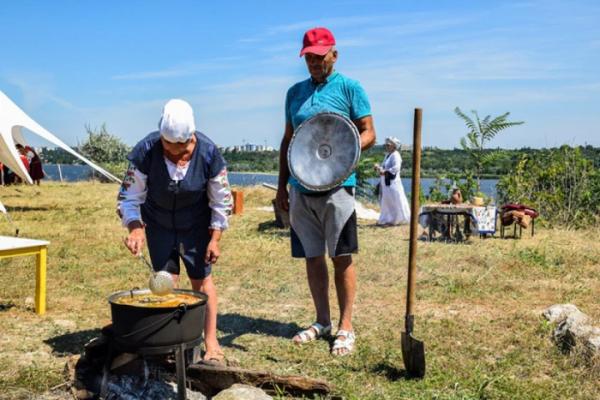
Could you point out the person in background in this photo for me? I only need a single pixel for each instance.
(24, 160)
(455, 196)
(8, 177)
(36, 172)
(324, 222)
(176, 196)
(394, 205)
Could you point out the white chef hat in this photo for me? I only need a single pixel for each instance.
(176, 124)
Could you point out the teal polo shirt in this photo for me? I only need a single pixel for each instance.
(338, 94)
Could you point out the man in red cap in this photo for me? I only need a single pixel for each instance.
(324, 222)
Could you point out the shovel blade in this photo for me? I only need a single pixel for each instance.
(413, 354)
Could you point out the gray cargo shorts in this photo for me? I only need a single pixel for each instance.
(323, 222)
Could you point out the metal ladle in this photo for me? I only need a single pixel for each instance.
(160, 283)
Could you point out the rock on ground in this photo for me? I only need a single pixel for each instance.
(242, 392)
(558, 312)
(592, 344)
(573, 329)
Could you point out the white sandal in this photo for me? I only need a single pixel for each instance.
(346, 344)
(314, 332)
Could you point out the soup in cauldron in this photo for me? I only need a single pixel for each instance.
(152, 300)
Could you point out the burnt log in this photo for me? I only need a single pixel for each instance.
(211, 379)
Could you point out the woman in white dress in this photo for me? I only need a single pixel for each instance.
(394, 205)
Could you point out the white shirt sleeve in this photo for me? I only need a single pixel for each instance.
(132, 195)
(392, 163)
(219, 200)
(133, 192)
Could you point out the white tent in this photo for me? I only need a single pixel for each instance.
(12, 119)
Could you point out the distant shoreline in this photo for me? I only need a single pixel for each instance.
(276, 173)
(434, 162)
(253, 172)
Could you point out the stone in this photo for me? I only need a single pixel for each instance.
(573, 329)
(592, 345)
(558, 312)
(576, 319)
(242, 392)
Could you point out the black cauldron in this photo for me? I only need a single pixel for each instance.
(136, 327)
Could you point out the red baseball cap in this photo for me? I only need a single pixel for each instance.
(317, 41)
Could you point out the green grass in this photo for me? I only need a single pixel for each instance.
(478, 304)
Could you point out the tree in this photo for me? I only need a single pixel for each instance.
(364, 172)
(481, 132)
(562, 184)
(105, 149)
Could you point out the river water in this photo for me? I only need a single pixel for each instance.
(73, 173)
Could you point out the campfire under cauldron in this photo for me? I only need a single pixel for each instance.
(133, 357)
(153, 329)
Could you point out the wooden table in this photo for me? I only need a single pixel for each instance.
(474, 216)
(14, 247)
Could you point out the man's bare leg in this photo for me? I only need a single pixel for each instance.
(318, 282)
(345, 284)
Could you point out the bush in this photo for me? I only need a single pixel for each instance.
(364, 172)
(106, 150)
(562, 185)
(255, 161)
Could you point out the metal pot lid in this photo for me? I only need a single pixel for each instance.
(324, 151)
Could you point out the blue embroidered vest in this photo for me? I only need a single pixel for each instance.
(175, 205)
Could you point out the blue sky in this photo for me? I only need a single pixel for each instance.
(72, 63)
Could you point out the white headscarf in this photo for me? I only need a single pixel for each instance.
(393, 140)
(176, 124)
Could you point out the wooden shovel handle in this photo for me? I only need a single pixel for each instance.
(414, 213)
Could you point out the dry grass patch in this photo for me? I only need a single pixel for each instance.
(477, 309)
